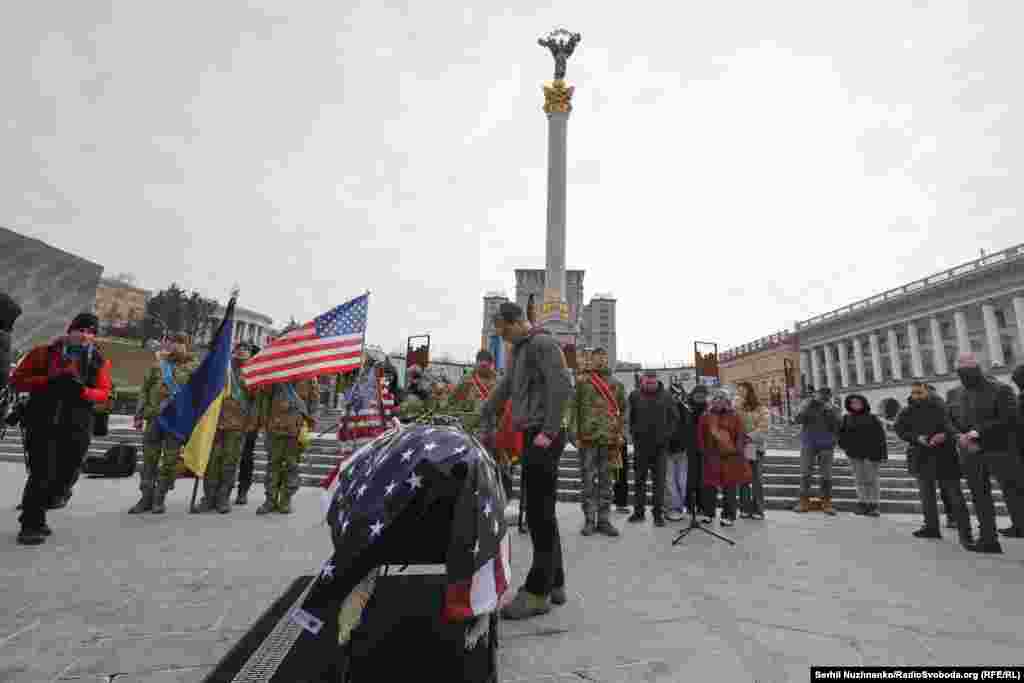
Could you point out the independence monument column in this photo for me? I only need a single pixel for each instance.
(557, 105)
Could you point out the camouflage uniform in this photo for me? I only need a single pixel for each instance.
(467, 401)
(283, 424)
(237, 418)
(599, 437)
(160, 449)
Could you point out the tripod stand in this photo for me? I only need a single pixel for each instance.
(694, 524)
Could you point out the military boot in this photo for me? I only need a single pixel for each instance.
(589, 526)
(159, 497)
(227, 482)
(290, 486)
(243, 496)
(269, 505)
(147, 482)
(208, 501)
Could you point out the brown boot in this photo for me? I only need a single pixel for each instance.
(803, 505)
(826, 506)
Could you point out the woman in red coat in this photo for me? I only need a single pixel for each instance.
(720, 438)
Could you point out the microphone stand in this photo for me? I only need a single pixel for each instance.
(694, 491)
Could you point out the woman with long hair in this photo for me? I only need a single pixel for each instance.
(756, 422)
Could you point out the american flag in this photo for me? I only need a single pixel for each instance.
(330, 344)
(378, 487)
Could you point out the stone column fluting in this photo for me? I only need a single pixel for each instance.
(963, 340)
(1018, 312)
(916, 362)
(992, 336)
(830, 374)
(894, 355)
(806, 367)
(815, 370)
(844, 361)
(858, 361)
(938, 347)
(876, 358)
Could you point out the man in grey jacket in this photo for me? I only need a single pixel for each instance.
(538, 384)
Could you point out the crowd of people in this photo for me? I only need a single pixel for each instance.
(702, 453)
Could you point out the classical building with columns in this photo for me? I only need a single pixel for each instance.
(879, 345)
(250, 326)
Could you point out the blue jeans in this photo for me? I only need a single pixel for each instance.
(675, 482)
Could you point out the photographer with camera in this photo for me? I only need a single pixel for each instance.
(65, 379)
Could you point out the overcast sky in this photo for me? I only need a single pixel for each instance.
(733, 166)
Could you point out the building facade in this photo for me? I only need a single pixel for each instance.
(879, 345)
(119, 303)
(598, 326)
(250, 326)
(763, 364)
(51, 286)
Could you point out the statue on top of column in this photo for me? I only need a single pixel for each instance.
(562, 43)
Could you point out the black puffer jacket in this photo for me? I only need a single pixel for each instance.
(9, 313)
(991, 410)
(927, 418)
(652, 417)
(861, 435)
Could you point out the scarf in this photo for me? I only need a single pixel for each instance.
(167, 370)
(481, 387)
(606, 392)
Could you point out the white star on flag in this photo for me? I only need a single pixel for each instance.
(362, 490)
(389, 488)
(430, 446)
(458, 450)
(487, 509)
(415, 481)
(407, 456)
(327, 571)
(376, 528)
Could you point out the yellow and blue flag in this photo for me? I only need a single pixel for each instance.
(195, 411)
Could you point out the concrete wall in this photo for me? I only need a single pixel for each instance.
(52, 286)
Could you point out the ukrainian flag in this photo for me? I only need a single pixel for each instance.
(193, 414)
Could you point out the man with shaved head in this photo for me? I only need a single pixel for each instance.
(987, 439)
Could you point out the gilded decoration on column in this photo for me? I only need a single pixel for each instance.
(558, 97)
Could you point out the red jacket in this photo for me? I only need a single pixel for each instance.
(34, 372)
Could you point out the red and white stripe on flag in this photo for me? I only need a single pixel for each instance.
(486, 591)
(303, 354)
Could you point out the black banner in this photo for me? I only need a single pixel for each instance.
(917, 673)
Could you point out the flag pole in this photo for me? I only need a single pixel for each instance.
(233, 296)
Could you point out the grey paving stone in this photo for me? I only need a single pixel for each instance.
(162, 598)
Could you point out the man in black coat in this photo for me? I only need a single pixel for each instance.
(9, 313)
(986, 434)
(652, 422)
(925, 425)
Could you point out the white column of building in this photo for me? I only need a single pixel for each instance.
(992, 336)
(876, 357)
(894, 356)
(830, 369)
(815, 369)
(1018, 312)
(844, 370)
(858, 361)
(938, 347)
(916, 364)
(805, 366)
(963, 341)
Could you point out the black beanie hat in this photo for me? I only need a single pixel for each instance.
(85, 321)
(484, 355)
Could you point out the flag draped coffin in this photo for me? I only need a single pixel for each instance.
(421, 495)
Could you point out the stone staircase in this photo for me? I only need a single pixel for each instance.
(781, 477)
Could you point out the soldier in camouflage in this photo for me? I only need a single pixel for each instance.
(596, 419)
(161, 449)
(286, 411)
(468, 398)
(237, 418)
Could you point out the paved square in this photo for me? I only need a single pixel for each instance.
(162, 598)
